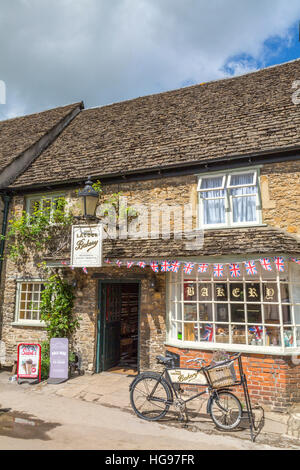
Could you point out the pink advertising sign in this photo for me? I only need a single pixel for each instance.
(29, 361)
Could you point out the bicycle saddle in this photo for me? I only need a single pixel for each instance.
(163, 359)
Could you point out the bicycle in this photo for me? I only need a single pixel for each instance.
(152, 393)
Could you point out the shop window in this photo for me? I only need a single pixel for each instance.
(28, 301)
(229, 199)
(262, 311)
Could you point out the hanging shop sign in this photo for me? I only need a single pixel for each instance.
(29, 361)
(59, 360)
(86, 246)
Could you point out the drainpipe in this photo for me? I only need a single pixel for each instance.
(6, 198)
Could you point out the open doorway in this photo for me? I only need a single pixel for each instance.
(118, 324)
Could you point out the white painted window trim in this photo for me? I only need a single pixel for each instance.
(23, 322)
(228, 198)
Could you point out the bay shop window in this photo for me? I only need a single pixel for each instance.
(252, 312)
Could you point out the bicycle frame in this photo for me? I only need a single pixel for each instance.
(167, 374)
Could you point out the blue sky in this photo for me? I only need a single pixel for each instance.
(277, 50)
(56, 52)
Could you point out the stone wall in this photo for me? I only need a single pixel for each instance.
(280, 187)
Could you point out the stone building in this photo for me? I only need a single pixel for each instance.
(212, 171)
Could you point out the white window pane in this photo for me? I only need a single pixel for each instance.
(244, 209)
(210, 183)
(213, 211)
(240, 180)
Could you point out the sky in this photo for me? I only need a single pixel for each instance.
(56, 52)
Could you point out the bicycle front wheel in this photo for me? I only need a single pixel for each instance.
(225, 410)
(150, 397)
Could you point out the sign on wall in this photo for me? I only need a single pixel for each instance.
(86, 247)
(59, 360)
(29, 361)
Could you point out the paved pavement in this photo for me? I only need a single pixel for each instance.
(93, 412)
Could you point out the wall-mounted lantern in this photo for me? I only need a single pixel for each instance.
(88, 200)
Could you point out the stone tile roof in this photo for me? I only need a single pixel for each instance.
(18, 134)
(259, 240)
(242, 115)
(242, 241)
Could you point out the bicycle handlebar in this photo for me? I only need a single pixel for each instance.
(197, 359)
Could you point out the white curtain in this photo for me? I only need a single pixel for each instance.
(213, 209)
(244, 207)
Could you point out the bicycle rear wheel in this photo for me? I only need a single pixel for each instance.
(150, 397)
(225, 410)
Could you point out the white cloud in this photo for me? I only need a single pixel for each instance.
(60, 51)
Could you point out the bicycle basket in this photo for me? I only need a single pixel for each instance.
(222, 375)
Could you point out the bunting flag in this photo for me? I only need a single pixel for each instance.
(203, 267)
(130, 264)
(107, 261)
(64, 263)
(266, 264)
(141, 264)
(154, 266)
(175, 266)
(234, 270)
(218, 270)
(296, 260)
(118, 263)
(250, 267)
(165, 266)
(279, 263)
(188, 268)
(208, 333)
(257, 330)
(85, 270)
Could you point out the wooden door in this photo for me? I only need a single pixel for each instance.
(111, 309)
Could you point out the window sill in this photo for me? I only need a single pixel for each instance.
(273, 351)
(226, 227)
(36, 324)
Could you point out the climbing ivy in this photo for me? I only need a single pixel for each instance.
(33, 232)
(57, 300)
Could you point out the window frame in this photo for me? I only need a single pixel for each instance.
(40, 197)
(173, 306)
(228, 198)
(24, 321)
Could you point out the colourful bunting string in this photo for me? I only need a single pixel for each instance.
(234, 269)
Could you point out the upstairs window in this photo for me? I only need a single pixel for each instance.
(229, 199)
(45, 203)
